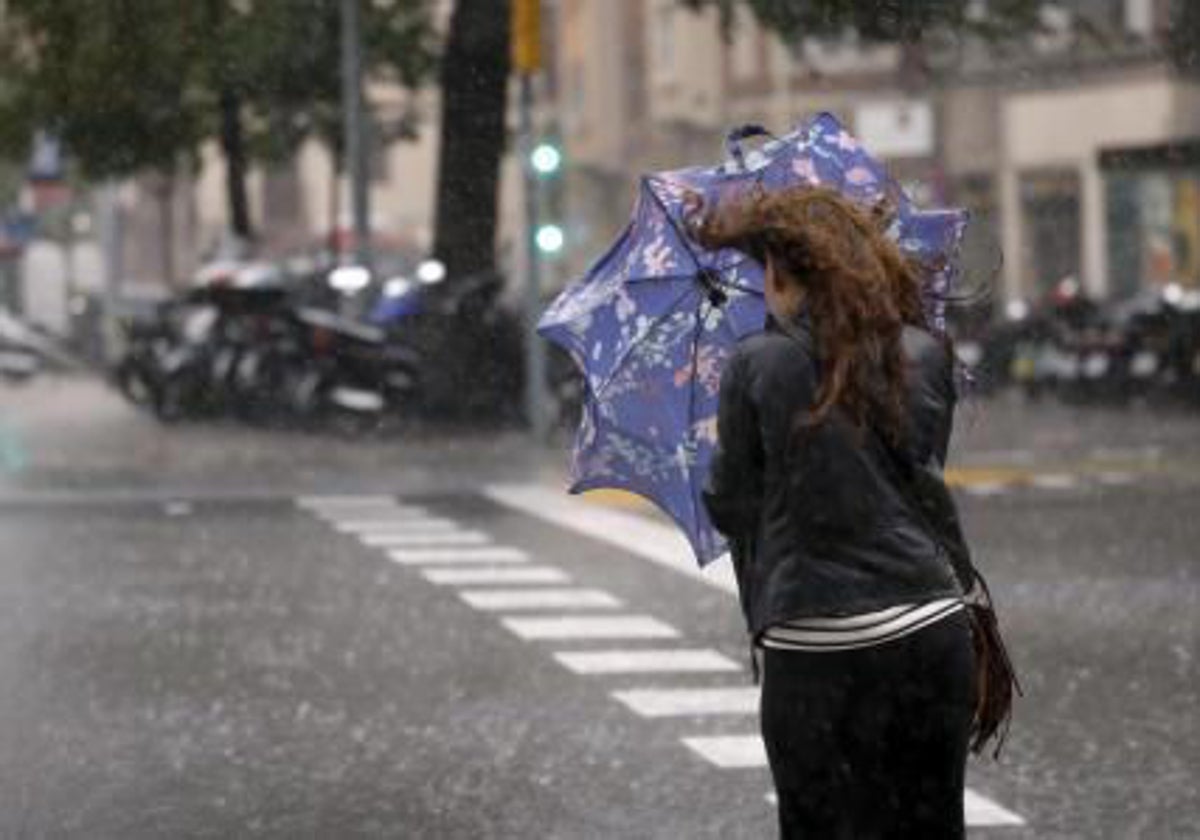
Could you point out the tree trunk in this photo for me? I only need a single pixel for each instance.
(474, 80)
(233, 146)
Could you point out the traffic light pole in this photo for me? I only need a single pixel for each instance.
(535, 351)
(354, 131)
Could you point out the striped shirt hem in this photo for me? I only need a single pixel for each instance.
(834, 633)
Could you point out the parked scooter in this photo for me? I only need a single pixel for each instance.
(167, 365)
(346, 371)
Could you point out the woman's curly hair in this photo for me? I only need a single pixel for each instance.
(859, 288)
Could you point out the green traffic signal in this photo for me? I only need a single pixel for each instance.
(550, 239)
(546, 158)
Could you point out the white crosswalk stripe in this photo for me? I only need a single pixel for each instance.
(457, 555)
(393, 513)
(484, 575)
(344, 502)
(539, 598)
(428, 539)
(397, 526)
(597, 662)
(982, 811)
(591, 627)
(729, 750)
(675, 702)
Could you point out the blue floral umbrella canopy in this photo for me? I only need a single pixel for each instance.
(653, 322)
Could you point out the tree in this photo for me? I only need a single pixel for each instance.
(474, 79)
(132, 85)
(112, 82)
(275, 72)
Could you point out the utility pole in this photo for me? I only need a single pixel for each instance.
(527, 60)
(354, 137)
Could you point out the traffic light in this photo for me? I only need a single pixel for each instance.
(550, 238)
(546, 159)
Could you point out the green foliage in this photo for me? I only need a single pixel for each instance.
(110, 77)
(135, 84)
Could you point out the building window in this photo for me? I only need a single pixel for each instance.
(662, 40)
(1051, 213)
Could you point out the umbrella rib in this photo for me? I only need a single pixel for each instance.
(683, 237)
(616, 368)
(697, 331)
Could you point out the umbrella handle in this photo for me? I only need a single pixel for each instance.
(733, 140)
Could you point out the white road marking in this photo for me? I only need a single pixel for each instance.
(985, 489)
(982, 811)
(538, 599)
(369, 512)
(730, 750)
(631, 532)
(646, 661)
(485, 575)
(343, 502)
(404, 526)
(675, 702)
(430, 539)
(1054, 481)
(453, 556)
(368, 515)
(591, 627)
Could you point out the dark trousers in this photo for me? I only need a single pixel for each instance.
(871, 743)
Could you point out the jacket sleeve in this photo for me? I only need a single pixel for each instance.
(734, 490)
(939, 505)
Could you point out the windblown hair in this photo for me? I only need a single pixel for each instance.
(858, 286)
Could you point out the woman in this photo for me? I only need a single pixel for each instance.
(858, 610)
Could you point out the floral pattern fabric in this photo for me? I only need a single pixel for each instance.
(654, 320)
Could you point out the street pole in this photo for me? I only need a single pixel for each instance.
(108, 212)
(354, 131)
(526, 55)
(535, 356)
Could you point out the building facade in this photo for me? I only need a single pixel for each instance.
(1077, 156)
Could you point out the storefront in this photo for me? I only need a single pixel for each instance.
(1153, 216)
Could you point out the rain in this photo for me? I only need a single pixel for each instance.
(373, 372)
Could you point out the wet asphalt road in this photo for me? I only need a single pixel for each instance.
(185, 652)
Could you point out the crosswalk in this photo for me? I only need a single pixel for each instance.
(587, 630)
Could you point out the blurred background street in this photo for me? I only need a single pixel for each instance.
(285, 548)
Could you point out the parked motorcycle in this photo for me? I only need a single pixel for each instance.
(168, 363)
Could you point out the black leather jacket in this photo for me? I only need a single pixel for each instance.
(829, 520)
